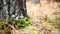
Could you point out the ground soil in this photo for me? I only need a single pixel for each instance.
(38, 11)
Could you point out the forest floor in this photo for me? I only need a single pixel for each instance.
(38, 12)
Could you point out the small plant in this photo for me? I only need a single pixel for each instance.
(21, 22)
